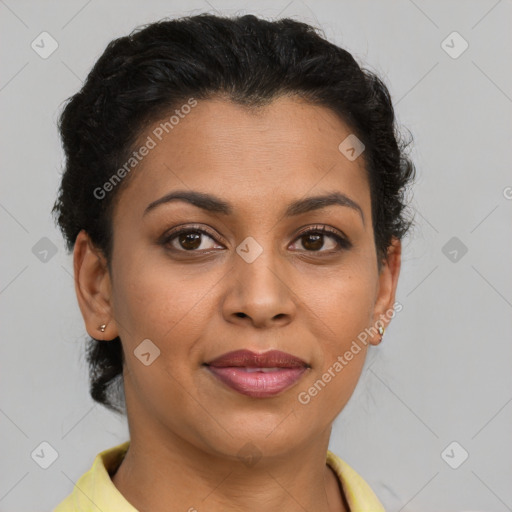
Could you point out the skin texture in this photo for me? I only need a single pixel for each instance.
(186, 427)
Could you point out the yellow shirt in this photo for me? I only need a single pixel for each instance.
(95, 490)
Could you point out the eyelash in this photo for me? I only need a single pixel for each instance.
(343, 243)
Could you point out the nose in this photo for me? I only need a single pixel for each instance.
(260, 292)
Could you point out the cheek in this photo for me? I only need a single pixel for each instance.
(170, 307)
(345, 311)
(346, 304)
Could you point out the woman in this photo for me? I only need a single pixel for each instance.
(234, 197)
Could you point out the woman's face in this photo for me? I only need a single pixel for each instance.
(244, 276)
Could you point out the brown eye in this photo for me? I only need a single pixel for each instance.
(189, 240)
(313, 240)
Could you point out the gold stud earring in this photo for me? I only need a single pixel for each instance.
(381, 332)
(102, 327)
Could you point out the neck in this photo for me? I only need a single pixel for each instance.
(152, 475)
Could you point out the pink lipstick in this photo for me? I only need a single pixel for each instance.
(258, 375)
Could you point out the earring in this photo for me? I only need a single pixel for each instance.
(381, 332)
(102, 327)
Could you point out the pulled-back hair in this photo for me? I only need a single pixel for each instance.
(250, 61)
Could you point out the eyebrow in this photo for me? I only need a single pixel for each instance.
(214, 204)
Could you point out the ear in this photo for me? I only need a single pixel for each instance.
(388, 281)
(93, 288)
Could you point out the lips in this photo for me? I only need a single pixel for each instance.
(248, 359)
(258, 375)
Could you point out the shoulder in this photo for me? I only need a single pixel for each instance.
(94, 490)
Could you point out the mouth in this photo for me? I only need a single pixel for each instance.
(258, 375)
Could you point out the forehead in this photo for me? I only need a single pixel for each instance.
(277, 153)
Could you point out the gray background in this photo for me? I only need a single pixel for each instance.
(443, 371)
